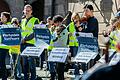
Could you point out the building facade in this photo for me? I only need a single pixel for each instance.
(104, 10)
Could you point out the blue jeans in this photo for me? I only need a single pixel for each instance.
(52, 69)
(28, 64)
(3, 72)
(18, 68)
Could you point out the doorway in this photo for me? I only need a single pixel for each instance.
(38, 9)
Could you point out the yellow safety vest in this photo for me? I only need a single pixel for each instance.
(14, 49)
(114, 38)
(27, 29)
(50, 47)
(8, 23)
(72, 39)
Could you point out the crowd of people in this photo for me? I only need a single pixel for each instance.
(62, 36)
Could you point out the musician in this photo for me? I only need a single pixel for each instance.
(112, 35)
(113, 45)
(72, 40)
(59, 39)
(92, 22)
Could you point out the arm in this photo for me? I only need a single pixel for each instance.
(94, 27)
(31, 36)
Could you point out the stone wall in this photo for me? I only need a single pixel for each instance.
(16, 7)
(61, 7)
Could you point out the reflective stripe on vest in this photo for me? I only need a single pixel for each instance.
(72, 39)
(27, 29)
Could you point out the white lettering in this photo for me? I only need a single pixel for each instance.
(43, 37)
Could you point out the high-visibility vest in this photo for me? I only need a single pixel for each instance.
(112, 44)
(114, 38)
(14, 49)
(5, 46)
(27, 29)
(60, 42)
(50, 47)
(72, 39)
(8, 23)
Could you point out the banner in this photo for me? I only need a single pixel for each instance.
(87, 44)
(32, 51)
(84, 57)
(82, 34)
(43, 34)
(87, 50)
(58, 55)
(10, 36)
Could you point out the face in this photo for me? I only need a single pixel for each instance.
(76, 19)
(87, 12)
(56, 24)
(27, 11)
(3, 18)
(50, 22)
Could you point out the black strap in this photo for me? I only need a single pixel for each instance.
(112, 56)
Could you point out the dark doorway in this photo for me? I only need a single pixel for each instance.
(4, 6)
(38, 9)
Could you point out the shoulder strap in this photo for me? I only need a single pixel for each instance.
(112, 56)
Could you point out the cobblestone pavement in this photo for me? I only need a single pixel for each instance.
(45, 75)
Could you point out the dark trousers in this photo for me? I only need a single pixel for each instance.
(42, 59)
(60, 71)
(3, 72)
(73, 50)
(56, 69)
(28, 64)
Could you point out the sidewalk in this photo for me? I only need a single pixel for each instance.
(45, 75)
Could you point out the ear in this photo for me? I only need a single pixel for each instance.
(23, 12)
